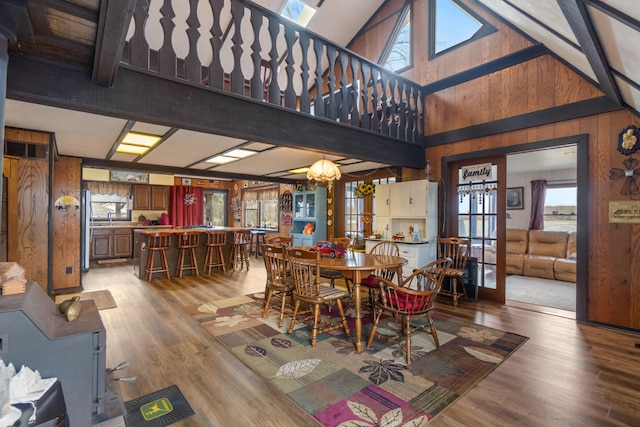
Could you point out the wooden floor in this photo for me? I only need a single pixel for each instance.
(566, 374)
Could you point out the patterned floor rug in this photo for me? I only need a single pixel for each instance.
(338, 386)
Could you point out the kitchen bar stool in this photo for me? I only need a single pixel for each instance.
(187, 244)
(239, 246)
(157, 243)
(214, 258)
(257, 236)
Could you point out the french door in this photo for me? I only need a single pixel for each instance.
(476, 210)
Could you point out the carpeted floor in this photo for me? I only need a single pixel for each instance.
(336, 385)
(543, 292)
(103, 299)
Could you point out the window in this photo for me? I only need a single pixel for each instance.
(215, 207)
(354, 207)
(452, 24)
(560, 207)
(261, 208)
(110, 199)
(298, 12)
(397, 55)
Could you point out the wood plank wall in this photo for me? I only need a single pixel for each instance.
(67, 177)
(32, 209)
(613, 249)
(538, 84)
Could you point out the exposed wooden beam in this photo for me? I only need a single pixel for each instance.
(578, 17)
(174, 103)
(115, 16)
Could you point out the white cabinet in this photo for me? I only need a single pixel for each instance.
(409, 199)
(405, 205)
(417, 254)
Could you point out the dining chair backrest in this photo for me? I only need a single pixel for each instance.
(429, 276)
(388, 249)
(303, 265)
(456, 248)
(344, 241)
(242, 237)
(404, 298)
(275, 261)
(280, 241)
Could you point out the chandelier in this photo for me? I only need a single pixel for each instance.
(324, 171)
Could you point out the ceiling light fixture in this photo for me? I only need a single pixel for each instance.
(231, 156)
(137, 143)
(299, 170)
(324, 171)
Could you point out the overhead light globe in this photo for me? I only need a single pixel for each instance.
(323, 171)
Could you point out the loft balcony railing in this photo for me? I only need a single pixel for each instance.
(241, 48)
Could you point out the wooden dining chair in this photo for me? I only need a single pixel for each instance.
(415, 296)
(279, 282)
(280, 241)
(334, 275)
(307, 289)
(458, 249)
(372, 281)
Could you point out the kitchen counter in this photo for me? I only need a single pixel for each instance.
(407, 241)
(127, 225)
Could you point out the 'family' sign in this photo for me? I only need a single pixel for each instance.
(472, 173)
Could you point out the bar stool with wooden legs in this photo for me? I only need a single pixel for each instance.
(257, 236)
(239, 248)
(187, 244)
(214, 257)
(159, 243)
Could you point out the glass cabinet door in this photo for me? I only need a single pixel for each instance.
(311, 205)
(299, 206)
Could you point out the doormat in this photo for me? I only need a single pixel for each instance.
(340, 387)
(158, 409)
(103, 299)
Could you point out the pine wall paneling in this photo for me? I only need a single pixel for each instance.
(613, 285)
(67, 226)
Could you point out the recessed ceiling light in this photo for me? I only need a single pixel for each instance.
(299, 170)
(146, 140)
(240, 153)
(221, 159)
(131, 149)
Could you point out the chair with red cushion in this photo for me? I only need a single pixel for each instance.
(414, 297)
(372, 281)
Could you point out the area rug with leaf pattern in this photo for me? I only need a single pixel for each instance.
(340, 387)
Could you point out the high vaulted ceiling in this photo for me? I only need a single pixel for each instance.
(595, 37)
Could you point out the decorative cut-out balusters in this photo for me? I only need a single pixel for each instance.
(216, 73)
(289, 92)
(305, 99)
(237, 79)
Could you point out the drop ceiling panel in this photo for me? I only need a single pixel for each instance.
(186, 147)
(615, 38)
(277, 160)
(150, 128)
(77, 134)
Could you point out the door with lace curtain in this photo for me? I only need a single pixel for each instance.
(476, 210)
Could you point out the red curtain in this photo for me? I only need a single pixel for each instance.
(186, 206)
(538, 193)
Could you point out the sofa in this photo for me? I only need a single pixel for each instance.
(539, 253)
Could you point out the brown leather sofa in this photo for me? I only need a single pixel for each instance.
(538, 253)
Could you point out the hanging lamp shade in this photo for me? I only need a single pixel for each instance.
(323, 171)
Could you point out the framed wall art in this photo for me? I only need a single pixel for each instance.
(624, 212)
(121, 176)
(515, 198)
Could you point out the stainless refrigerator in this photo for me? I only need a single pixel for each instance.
(85, 210)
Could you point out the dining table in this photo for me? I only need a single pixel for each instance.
(357, 265)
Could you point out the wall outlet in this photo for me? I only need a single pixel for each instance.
(69, 270)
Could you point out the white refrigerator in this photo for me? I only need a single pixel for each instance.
(85, 210)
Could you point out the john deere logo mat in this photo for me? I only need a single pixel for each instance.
(155, 409)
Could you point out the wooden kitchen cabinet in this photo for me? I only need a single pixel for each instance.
(150, 197)
(122, 242)
(111, 243)
(101, 243)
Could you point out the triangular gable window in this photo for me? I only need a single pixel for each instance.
(451, 24)
(397, 54)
